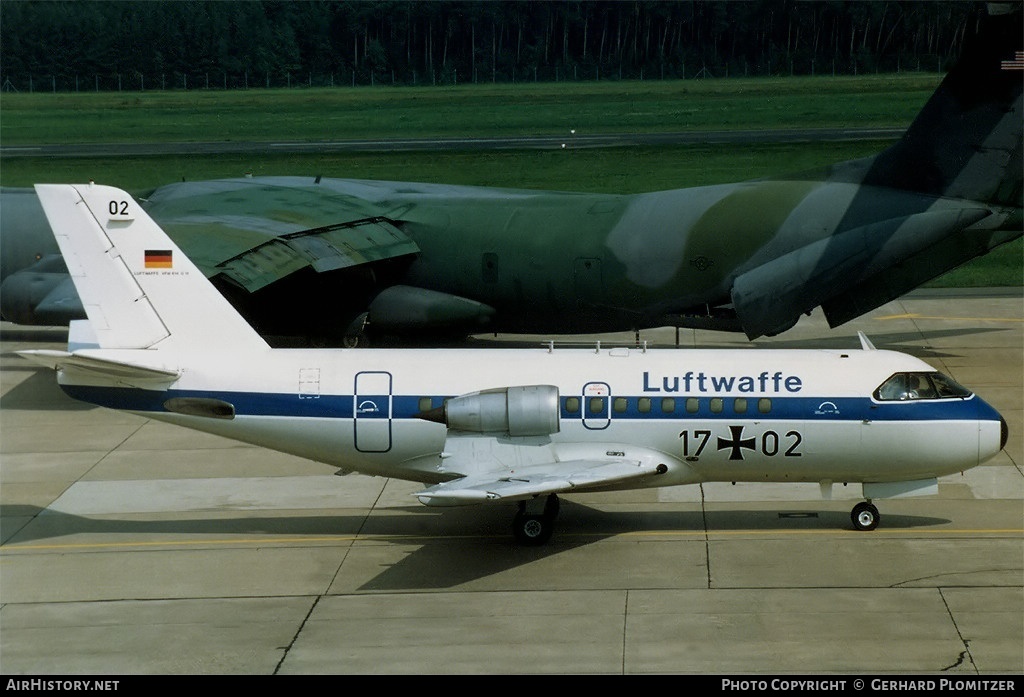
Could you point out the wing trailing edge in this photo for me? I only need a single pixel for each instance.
(539, 480)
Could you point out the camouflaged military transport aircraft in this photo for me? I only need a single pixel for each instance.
(346, 259)
(475, 426)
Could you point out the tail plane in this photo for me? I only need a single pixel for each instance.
(138, 289)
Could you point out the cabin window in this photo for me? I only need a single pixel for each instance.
(426, 404)
(668, 405)
(596, 405)
(716, 405)
(916, 386)
(692, 405)
(643, 405)
(764, 405)
(619, 405)
(739, 405)
(572, 405)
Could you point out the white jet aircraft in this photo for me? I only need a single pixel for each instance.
(492, 425)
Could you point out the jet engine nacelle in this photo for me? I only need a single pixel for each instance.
(530, 410)
(399, 308)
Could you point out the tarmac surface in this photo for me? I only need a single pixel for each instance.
(130, 547)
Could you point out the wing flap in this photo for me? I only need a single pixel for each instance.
(537, 480)
(323, 249)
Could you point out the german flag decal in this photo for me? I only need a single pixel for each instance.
(158, 259)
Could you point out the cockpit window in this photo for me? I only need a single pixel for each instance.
(906, 386)
(948, 387)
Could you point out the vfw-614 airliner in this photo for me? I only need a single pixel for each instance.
(480, 426)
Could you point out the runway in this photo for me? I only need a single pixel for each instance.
(131, 547)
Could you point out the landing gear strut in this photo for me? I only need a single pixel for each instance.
(534, 529)
(864, 516)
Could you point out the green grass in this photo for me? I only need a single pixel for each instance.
(1003, 267)
(466, 111)
(480, 111)
(607, 170)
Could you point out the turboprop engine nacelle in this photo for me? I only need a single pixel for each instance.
(530, 410)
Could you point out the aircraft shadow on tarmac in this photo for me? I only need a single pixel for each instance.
(452, 546)
(39, 392)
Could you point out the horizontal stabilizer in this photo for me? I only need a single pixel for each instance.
(911, 272)
(538, 480)
(100, 367)
(770, 298)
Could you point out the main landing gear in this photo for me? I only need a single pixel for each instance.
(534, 529)
(864, 516)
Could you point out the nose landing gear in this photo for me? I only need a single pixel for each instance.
(864, 516)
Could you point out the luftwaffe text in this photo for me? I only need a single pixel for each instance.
(691, 382)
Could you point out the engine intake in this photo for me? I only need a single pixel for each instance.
(530, 410)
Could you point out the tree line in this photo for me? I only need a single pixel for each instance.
(106, 45)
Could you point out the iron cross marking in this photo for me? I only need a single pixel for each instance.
(736, 443)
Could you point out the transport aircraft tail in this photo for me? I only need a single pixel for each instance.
(138, 289)
(966, 142)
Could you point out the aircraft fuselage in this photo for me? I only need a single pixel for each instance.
(592, 263)
(740, 415)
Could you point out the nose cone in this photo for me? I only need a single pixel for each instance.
(993, 432)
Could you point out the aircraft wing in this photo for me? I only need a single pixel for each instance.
(538, 480)
(256, 231)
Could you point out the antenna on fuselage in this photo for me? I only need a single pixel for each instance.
(865, 342)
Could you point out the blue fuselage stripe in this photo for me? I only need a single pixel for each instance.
(408, 406)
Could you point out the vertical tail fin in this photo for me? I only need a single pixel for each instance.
(966, 142)
(138, 289)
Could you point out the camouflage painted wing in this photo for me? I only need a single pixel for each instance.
(256, 231)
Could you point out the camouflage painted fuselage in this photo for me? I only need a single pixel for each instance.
(599, 263)
(336, 258)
